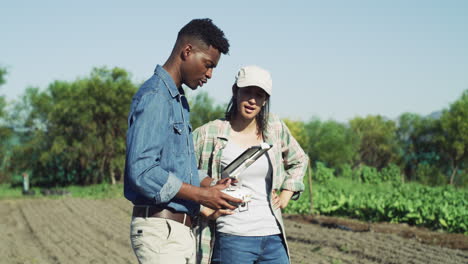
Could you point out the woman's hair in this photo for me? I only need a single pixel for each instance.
(261, 118)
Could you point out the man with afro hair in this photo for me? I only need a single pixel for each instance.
(161, 176)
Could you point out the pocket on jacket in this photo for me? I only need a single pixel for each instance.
(179, 139)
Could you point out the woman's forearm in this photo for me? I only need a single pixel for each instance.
(285, 196)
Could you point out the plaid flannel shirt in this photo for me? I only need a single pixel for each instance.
(288, 159)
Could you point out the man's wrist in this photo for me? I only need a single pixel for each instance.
(206, 182)
(189, 192)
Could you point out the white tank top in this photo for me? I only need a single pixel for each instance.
(256, 218)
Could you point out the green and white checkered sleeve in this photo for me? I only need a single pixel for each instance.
(295, 162)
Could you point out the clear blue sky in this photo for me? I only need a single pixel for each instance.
(328, 59)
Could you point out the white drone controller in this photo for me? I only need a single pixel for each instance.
(240, 193)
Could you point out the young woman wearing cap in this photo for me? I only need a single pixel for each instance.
(253, 233)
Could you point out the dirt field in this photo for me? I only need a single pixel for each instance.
(71, 230)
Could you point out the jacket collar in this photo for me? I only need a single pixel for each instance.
(167, 79)
(225, 131)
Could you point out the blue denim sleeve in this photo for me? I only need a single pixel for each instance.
(148, 133)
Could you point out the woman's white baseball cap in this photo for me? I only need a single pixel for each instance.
(254, 76)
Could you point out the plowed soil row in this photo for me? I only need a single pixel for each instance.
(72, 230)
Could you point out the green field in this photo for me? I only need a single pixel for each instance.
(443, 208)
(438, 208)
(98, 191)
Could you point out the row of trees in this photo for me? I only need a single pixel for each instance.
(5, 131)
(74, 133)
(432, 150)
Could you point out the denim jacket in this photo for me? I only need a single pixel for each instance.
(160, 155)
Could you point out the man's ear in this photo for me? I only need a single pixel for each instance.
(186, 51)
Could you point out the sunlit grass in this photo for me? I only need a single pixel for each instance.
(98, 191)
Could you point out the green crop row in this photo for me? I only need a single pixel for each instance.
(433, 207)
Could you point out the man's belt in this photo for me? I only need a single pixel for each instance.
(154, 211)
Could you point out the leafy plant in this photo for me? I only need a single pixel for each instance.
(322, 173)
(433, 207)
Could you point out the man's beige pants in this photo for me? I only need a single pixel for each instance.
(159, 240)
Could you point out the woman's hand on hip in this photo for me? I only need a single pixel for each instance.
(281, 200)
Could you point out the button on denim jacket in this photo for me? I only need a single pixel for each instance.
(160, 152)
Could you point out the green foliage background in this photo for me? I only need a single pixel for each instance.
(73, 134)
(437, 208)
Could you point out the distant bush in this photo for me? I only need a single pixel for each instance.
(322, 173)
(369, 175)
(391, 173)
(346, 171)
(430, 175)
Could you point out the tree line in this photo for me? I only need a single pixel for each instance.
(73, 132)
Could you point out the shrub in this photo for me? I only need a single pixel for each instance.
(369, 175)
(429, 175)
(322, 173)
(391, 173)
(346, 171)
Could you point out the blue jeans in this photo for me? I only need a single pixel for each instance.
(249, 249)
